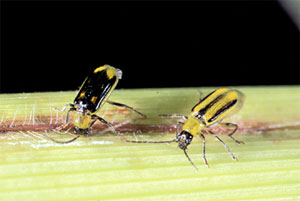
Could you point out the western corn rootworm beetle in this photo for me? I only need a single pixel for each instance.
(92, 95)
(210, 111)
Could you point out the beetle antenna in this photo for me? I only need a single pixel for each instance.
(169, 141)
(61, 142)
(184, 150)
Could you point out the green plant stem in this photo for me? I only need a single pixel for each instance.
(103, 167)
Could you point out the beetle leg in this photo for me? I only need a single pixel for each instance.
(226, 147)
(68, 114)
(65, 107)
(153, 142)
(231, 134)
(177, 125)
(203, 152)
(126, 106)
(174, 116)
(67, 118)
(95, 118)
(200, 94)
(61, 142)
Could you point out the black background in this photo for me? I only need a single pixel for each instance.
(52, 46)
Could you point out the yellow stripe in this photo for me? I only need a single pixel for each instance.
(110, 71)
(101, 68)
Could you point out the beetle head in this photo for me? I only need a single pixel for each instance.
(184, 139)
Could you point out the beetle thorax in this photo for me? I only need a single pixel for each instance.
(82, 120)
(193, 126)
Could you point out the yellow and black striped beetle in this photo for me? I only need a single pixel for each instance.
(210, 111)
(93, 93)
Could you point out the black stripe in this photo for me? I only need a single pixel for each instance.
(203, 99)
(204, 110)
(223, 109)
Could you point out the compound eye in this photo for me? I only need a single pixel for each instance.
(189, 139)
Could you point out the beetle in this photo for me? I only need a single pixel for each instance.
(209, 111)
(93, 93)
